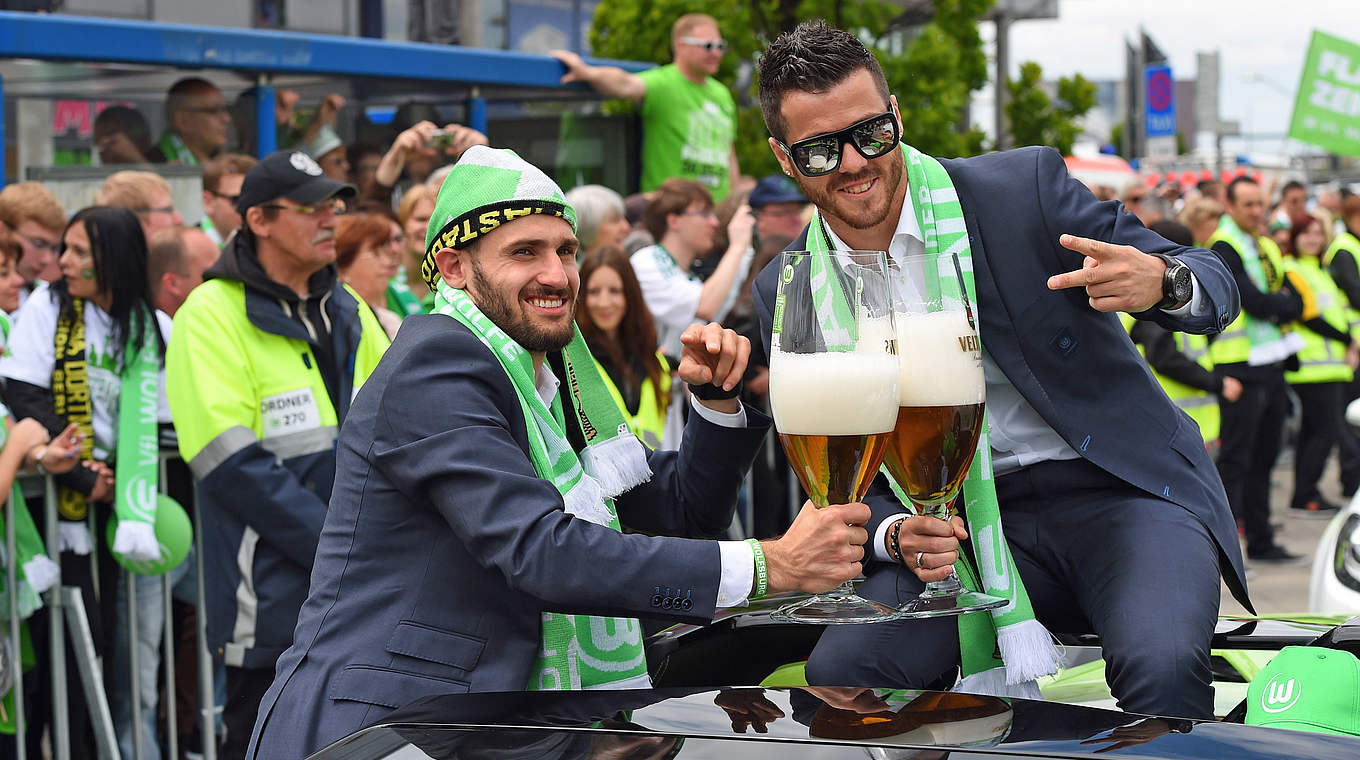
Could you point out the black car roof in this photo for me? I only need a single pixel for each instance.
(803, 723)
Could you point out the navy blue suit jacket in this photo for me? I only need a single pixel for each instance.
(1076, 366)
(442, 546)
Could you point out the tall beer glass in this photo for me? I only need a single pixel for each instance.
(833, 392)
(941, 394)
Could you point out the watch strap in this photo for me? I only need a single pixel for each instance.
(711, 392)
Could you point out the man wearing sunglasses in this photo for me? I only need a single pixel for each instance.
(1114, 515)
(196, 118)
(222, 179)
(688, 117)
(145, 194)
(266, 356)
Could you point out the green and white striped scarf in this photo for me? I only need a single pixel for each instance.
(1025, 646)
(176, 152)
(137, 448)
(578, 651)
(1268, 344)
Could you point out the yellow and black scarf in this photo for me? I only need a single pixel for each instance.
(71, 396)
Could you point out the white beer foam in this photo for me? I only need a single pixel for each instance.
(853, 393)
(941, 366)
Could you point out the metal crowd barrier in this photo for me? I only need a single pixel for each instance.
(68, 618)
(15, 637)
(207, 703)
(743, 523)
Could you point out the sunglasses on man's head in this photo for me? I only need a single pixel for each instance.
(711, 46)
(821, 154)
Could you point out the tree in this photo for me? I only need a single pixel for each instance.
(1036, 119)
(932, 76)
(1117, 138)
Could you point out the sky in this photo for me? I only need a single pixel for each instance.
(1261, 46)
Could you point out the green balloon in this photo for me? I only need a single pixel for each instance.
(174, 532)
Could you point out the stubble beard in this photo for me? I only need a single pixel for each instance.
(518, 325)
(855, 215)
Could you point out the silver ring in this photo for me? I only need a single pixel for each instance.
(919, 555)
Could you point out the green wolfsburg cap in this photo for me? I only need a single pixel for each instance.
(485, 189)
(1307, 689)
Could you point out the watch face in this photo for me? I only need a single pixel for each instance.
(1181, 284)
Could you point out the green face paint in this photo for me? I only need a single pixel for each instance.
(87, 274)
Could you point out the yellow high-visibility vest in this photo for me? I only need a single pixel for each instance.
(1202, 406)
(1233, 345)
(1347, 242)
(1322, 360)
(650, 421)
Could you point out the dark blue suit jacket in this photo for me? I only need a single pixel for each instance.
(442, 547)
(1076, 366)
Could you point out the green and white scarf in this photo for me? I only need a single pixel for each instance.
(1025, 646)
(135, 469)
(578, 651)
(36, 572)
(400, 299)
(176, 152)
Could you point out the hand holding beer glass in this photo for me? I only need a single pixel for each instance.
(833, 392)
(942, 393)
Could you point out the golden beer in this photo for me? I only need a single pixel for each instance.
(835, 469)
(940, 392)
(833, 412)
(930, 449)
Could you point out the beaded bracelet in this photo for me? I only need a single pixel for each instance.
(894, 550)
(762, 576)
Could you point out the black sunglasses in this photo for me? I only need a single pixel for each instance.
(821, 154)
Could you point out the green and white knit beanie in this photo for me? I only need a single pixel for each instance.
(485, 189)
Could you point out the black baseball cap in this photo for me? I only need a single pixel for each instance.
(775, 188)
(289, 174)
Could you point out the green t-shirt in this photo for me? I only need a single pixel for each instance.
(687, 130)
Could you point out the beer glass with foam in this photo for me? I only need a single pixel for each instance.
(941, 396)
(833, 392)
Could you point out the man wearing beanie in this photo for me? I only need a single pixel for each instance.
(483, 477)
(267, 354)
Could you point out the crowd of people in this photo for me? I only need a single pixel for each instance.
(259, 323)
(314, 252)
(1292, 353)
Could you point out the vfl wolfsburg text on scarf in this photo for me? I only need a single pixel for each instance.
(137, 453)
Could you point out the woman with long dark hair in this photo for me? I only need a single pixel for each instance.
(81, 334)
(619, 329)
(90, 353)
(1326, 364)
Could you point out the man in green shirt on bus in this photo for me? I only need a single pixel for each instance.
(688, 118)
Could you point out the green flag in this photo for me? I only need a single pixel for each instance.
(1327, 112)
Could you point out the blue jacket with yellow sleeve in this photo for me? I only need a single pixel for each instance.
(259, 381)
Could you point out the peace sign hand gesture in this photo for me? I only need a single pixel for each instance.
(1116, 277)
